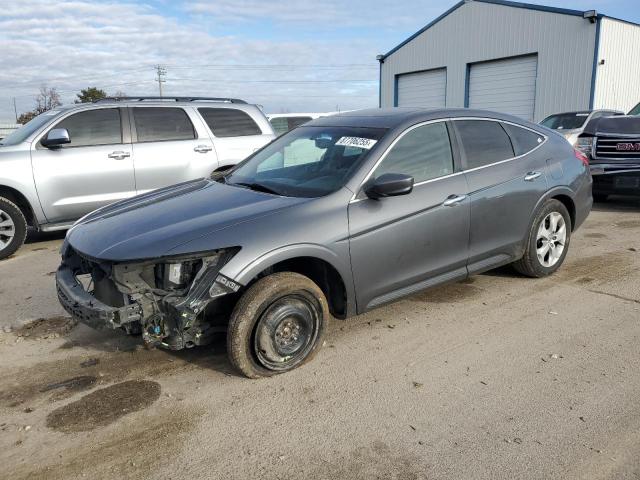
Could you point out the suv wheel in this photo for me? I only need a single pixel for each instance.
(277, 325)
(548, 241)
(13, 228)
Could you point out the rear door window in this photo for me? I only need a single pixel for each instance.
(484, 142)
(93, 127)
(523, 140)
(297, 121)
(423, 152)
(280, 125)
(160, 124)
(229, 122)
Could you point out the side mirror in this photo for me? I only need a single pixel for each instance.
(56, 138)
(389, 185)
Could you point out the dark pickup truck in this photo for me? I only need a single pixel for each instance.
(613, 147)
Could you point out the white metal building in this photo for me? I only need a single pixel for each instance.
(523, 59)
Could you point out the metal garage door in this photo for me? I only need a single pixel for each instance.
(507, 86)
(422, 89)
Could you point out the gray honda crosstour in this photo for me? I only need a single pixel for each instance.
(332, 219)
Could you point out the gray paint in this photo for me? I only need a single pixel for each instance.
(479, 31)
(382, 249)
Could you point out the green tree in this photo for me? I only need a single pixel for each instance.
(91, 94)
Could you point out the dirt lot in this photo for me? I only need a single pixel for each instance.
(496, 377)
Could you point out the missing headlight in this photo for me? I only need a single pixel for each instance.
(177, 276)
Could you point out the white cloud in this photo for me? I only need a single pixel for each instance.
(75, 44)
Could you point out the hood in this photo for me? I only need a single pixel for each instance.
(618, 125)
(150, 225)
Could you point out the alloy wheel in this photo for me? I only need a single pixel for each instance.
(7, 230)
(551, 239)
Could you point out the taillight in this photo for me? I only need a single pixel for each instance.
(581, 156)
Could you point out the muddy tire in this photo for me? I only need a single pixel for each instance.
(547, 242)
(13, 228)
(278, 324)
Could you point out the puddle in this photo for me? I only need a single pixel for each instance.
(72, 384)
(46, 327)
(54, 380)
(104, 406)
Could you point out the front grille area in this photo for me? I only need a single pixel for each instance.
(618, 149)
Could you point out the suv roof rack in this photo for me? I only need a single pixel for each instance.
(171, 99)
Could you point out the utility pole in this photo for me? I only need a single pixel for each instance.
(15, 110)
(161, 72)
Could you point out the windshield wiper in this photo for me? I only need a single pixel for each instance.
(258, 187)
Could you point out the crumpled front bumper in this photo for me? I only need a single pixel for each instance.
(84, 307)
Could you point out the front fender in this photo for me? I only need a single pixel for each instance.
(243, 274)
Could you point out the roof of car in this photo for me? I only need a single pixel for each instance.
(401, 116)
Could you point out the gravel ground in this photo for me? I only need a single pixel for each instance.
(496, 377)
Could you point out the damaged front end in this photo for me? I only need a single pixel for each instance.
(175, 302)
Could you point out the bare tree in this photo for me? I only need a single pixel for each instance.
(47, 99)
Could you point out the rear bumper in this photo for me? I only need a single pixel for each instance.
(616, 179)
(84, 307)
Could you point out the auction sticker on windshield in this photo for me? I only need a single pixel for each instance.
(365, 143)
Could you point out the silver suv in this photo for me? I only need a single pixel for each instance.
(72, 160)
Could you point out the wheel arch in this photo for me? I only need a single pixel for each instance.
(565, 196)
(21, 201)
(313, 261)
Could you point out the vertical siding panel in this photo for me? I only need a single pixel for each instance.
(480, 31)
(618, 80)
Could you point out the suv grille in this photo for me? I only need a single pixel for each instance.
(618, 149)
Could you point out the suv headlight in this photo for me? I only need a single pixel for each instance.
(585, 145)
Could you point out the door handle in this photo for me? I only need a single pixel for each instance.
(453, 200)
(119, 155)
(531, 176)
(202, 149)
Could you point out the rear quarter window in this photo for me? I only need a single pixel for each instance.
(159, 124)
(229, 122)
(523, 140)
(484, 142)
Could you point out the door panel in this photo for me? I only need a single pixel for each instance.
(397, 242)
(170, 146)
(502, 198)
(75, 179)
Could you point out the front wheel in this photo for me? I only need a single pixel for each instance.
(13, 228)
(277, 325)
(548, 241)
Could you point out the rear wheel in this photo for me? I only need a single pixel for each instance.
(548, 241)
(277, 325)
(13, 228)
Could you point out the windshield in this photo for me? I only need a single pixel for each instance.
(307, 162)
(565, 121)
(22, 133)
(635, 110)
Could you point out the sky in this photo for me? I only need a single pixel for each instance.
(289, 56)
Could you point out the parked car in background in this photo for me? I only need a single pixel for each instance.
(69, 161)
(7, 129)
(571, 124)
(613, 147)
(389, 203)
(285, 122)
